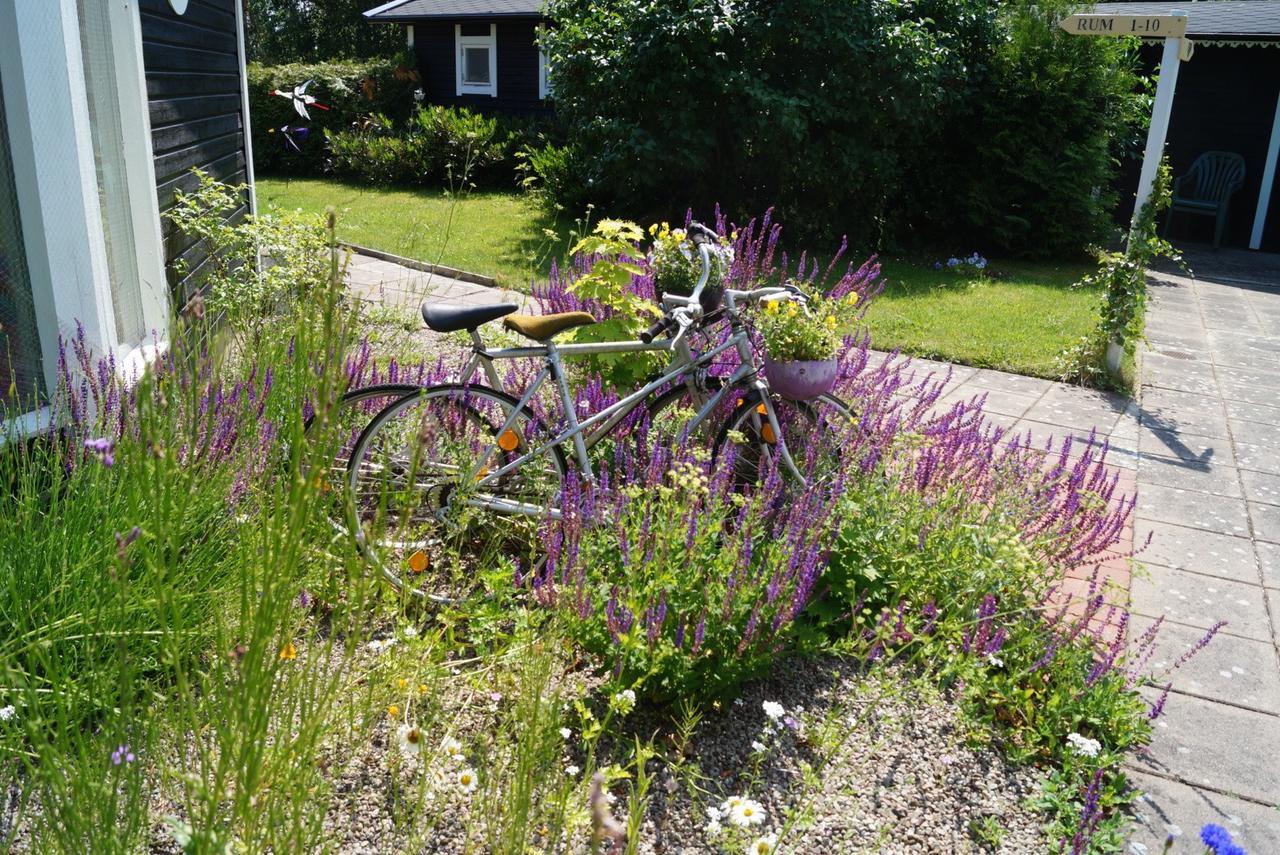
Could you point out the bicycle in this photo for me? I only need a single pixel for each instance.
(460, 451)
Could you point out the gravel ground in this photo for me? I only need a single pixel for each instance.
(873, 763)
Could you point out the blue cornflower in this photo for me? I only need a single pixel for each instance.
(1219, 841)
(937, 265)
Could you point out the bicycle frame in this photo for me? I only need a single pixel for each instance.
(586, 433)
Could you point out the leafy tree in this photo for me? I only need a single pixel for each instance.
(850, 116)
(281, 31)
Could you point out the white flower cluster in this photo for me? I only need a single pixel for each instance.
(381, 645)
(1083, 745)
(7, 712)
(623, 702)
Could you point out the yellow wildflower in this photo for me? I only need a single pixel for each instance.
(288, 653)
(393, 711)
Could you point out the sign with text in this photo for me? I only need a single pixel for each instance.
(1150, 26)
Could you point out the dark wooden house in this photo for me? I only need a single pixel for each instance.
(103, 112)
(1227, 99)
(481, 54)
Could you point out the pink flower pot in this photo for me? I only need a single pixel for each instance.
(802, 381)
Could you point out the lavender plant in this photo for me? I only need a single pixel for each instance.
(682, 586)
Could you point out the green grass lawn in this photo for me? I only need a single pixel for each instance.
(503, 235)
(1017, 319)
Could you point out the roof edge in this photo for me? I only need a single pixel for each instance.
(393, 18)
(385, 7)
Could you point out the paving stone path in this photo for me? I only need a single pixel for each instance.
(1209, 495)
(1202, 449)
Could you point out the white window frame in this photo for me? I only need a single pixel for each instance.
(461, 43)
(42, 70)
(544, 70)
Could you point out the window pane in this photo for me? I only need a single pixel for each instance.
(108, 154)
(20, 366)
(475, 67)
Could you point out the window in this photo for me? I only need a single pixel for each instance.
(477, 62)
(80, 245)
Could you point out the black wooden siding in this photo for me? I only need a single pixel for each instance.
(517, 64)
(193, 87)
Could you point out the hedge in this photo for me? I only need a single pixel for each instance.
(351, 90)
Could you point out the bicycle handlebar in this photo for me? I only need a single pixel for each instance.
(656, 329)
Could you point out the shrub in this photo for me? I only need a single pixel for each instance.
(350, 89)
(258, 266)
(439, 146)
(926, 115)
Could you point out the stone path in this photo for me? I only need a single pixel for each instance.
(394, 286)
(1203, 451)
(1209, 494)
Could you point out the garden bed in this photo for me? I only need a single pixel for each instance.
(885, 660)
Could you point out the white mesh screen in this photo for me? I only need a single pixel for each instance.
(20, 355)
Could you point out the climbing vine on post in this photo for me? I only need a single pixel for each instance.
(1122, 277)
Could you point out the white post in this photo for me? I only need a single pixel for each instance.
(1159, 128)
(1268, 179)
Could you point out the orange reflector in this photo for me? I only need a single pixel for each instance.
(418, 561)
(762, 410)
(766, 432)
(508, 441)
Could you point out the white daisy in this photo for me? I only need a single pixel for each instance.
(410, 739)
(774, 710)
(714, 827)
(571, 770)
(409, 632)
(467, 780)
(727, 806)
(764, 845)
(451, 749)
(746, 814)
(565, 733)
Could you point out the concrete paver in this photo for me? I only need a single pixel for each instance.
(1209, 487)
(1231, 669)
(1170, 808)
(1196, 600)
(1216, 745)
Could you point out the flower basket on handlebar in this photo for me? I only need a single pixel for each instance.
(802, 380)
(677, 266)
(801, 339)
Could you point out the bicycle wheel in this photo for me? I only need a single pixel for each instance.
(425, 502)
(331, 439)
(814, 433)
(669, 414)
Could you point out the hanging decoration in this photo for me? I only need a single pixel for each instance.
(301, 100)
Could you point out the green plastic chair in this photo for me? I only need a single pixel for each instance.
(1206, 189)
